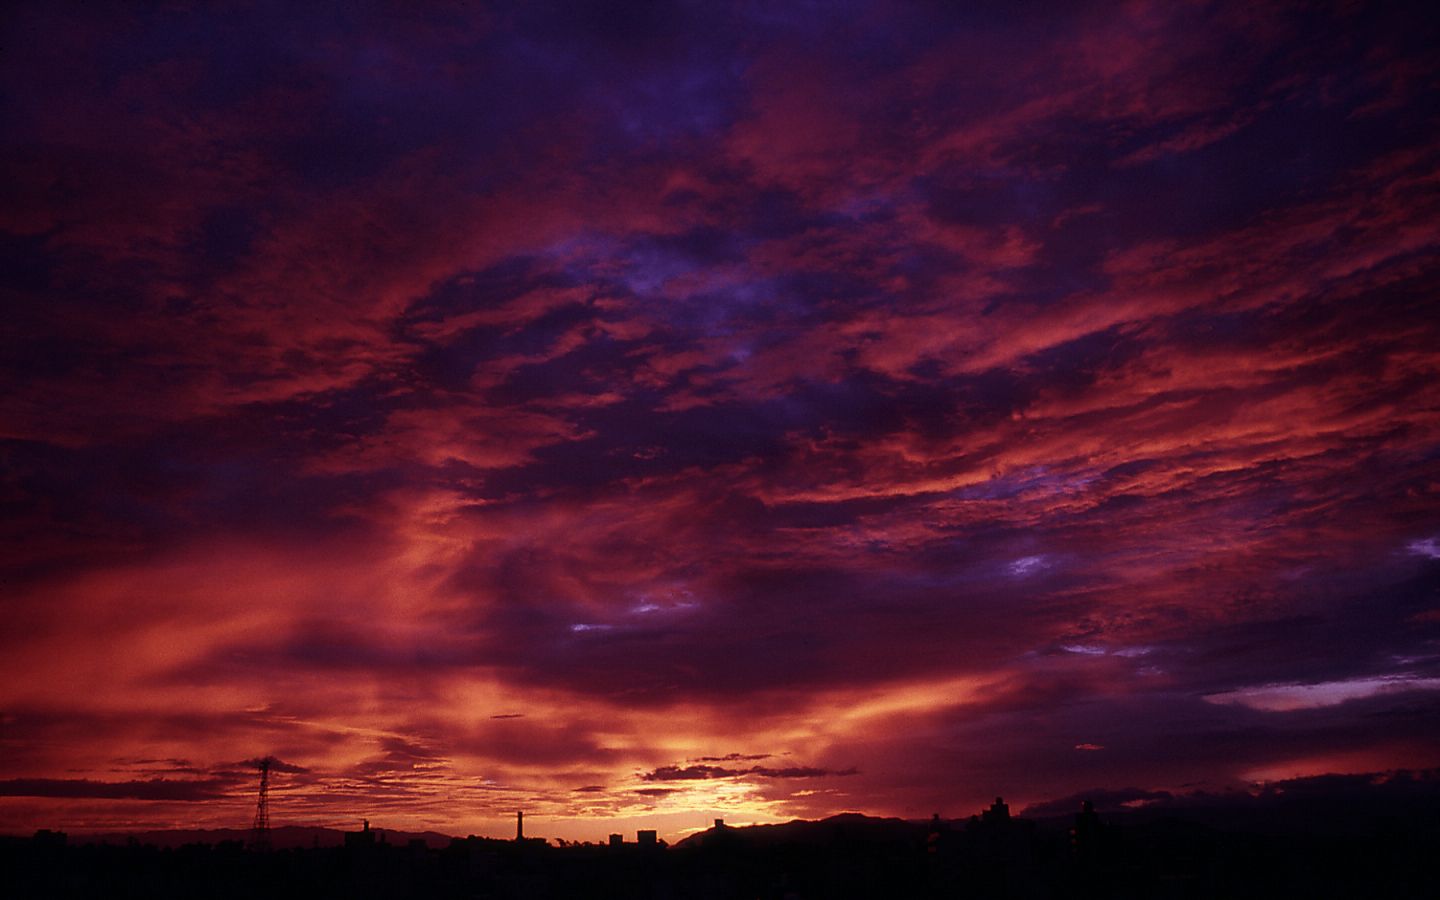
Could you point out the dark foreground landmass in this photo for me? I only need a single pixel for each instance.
(1207, 853)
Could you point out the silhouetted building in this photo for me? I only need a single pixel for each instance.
(646, 838)
(1085, 836)
(617, 840)
(721, 836)
(997, 814)
(843, 858)
(362, 838)
(936, 835)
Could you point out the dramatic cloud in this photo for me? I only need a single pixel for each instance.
(159, 789)
(641, 413)
(688, 773)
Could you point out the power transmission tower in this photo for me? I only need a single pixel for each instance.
(260, 833)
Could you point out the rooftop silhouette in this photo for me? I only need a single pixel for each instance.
(1383, 851)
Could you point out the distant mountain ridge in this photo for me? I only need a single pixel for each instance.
(283, 838)
(1356, 805)
(837, 828)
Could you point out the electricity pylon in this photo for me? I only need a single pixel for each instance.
(260, 833)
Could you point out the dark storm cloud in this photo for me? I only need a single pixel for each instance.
(691, 773)
(1103, 801)
(276, 765)
(156, 789)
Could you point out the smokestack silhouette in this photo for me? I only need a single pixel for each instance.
(520, 826)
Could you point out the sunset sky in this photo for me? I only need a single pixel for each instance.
(648, 412)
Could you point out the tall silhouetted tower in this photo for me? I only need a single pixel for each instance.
(260, 836)
(519, 826)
